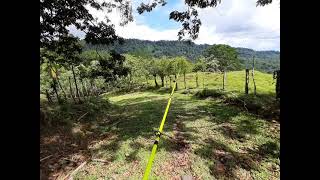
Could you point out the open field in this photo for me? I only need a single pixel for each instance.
(204, 137)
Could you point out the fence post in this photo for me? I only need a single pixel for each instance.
(254, 82)
(276, 75)
(247, 82)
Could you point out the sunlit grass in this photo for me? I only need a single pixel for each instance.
(208, 124)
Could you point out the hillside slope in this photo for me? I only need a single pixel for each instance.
(266, 61)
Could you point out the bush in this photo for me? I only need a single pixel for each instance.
(205, 93)
(54, 115)
(263, 104)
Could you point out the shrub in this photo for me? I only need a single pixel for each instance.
(205, 93)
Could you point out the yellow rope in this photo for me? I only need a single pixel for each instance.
(155, 145)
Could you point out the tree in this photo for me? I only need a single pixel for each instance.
(137, 67)
(170, 69)
(224, 56)
(201, 66)
(153, 70)
(162, 65)
(48, 61)
(184, 67)
(70, 48)
(56, 16)
(146, 63)
(173, 69)
(111, 66)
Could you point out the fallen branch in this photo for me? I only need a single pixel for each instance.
(45, 158)
(82, 116)
(100, 160)
(75, 171)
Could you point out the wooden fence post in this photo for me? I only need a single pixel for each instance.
(254, 82)
(247, 82)
(276, 75)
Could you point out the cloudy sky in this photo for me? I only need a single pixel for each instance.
(238, 23)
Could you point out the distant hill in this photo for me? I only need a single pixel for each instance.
(266, 61)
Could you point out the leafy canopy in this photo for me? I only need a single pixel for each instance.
(222, 57)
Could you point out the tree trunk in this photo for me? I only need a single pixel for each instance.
(224, 83)
(64, 93)
(155, 80)
(76, 84)
(56, 81)
(162, 81)
(170, 81)
(84, 91)
(197, 83)
(184, 80)
(276, 75)
(71, 91)
(48, 96)
(56, 91)
(247, 82)
(176, 81)
(254, 82)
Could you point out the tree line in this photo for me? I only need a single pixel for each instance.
(266, 61)
(76, 74)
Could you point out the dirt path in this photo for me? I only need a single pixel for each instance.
(180, 161)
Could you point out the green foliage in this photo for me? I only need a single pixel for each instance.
(145, 53)
(266, 61)
(162, 66)
(210, 93)
(172, 68)
(184, 65)
(57, 16)
(111, 68)
(57, 115)
(222, 57)
(138, 68)
(200, 65)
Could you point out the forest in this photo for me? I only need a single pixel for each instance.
(266, 61)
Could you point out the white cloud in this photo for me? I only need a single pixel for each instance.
(234, 22)
(241, 24)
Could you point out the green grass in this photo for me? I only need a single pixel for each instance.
(208, 125)
(235, 81)
(218, 133)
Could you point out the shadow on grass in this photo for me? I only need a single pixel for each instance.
(225, 160)
(132, 118)
(267, 150)
(264, 105)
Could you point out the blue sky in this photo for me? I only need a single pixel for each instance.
(159, 17)
(238, 23)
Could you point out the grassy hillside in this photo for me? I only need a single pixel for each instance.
(214, 141)
(235, 81)
(208, 138)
